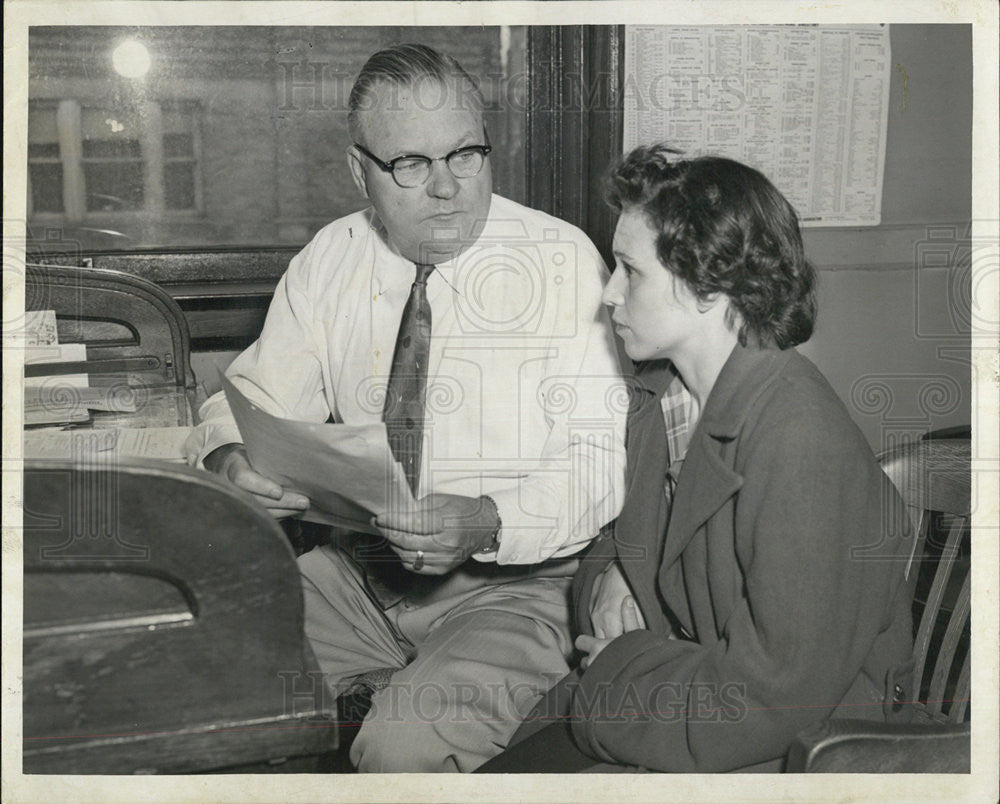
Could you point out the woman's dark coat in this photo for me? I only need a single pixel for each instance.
(776, 598)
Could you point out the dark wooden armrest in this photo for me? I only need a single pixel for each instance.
(863, 746)
(164, 625)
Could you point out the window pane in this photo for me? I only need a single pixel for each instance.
(42, 124)
(178, 180)
(111, 149)
(178, 118)
(46, 187)
(178, 145)
(113, 186)
(43, 150)
(110, 124)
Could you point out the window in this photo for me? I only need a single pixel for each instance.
(180, 161)
(45, 172)
(89, 161)
(112, 160)
(231, 135)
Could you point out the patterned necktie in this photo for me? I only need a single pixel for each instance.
(406, 393)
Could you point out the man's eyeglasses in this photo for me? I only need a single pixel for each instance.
(412, 170)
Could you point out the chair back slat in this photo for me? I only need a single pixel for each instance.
(929, 629)
(934, 478)
(921, 522)
(941, 670)
(963, 688)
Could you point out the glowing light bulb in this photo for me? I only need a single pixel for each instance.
(131, 59)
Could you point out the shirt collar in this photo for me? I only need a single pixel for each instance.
(447, 268)
(679, 420)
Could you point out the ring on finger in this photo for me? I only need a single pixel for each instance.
(418, 562)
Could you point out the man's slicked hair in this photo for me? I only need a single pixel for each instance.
(722, 227)
(406, 65)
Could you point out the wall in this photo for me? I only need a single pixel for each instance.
(894, 300)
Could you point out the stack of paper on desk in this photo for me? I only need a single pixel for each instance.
(347, 471)
(58, 399)
(40, 328)
(162, 443)
(53, 402)
(67, 398)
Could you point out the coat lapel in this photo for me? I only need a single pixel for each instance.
(706, 482)
(645, 510)
(707, 478)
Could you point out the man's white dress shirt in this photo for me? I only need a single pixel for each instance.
(524, 398)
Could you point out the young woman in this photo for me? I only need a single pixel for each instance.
(749, 590)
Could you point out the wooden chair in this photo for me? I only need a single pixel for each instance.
(163, 627)
(131, 327)
(934, 478)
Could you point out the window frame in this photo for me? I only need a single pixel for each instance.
(575, 123)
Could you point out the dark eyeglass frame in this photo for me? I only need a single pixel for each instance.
(390, 166)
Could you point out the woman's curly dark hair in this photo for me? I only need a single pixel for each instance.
(724, 228)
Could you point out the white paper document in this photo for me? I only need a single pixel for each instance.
(346, 471)
(162, 443)
(807, 105)
(40, 328)
(57, 353)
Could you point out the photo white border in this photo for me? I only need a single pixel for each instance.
(981, 785)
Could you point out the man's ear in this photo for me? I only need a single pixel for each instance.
(357, 170)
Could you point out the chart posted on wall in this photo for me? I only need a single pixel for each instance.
(806, 105)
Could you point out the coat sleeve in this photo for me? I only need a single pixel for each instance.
(787, 653)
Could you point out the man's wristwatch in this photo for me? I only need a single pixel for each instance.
(494, 544)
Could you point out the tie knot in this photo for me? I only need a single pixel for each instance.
(423, 271)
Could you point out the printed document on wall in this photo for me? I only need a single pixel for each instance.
(807, 105)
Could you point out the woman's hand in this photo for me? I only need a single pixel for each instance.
(606, 609)
(631, 620)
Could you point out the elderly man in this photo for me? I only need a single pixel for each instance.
(472, 326)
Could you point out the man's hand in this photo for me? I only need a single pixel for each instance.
(232, 463)
(607, 612)
(631, 620)
(446, 529)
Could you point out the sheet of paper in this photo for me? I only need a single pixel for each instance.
(57, 353)
(54, 401)
(71, 413)
(53, 394)
(807, 105)
(347, 471)
(162, 443)
(40, 328)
